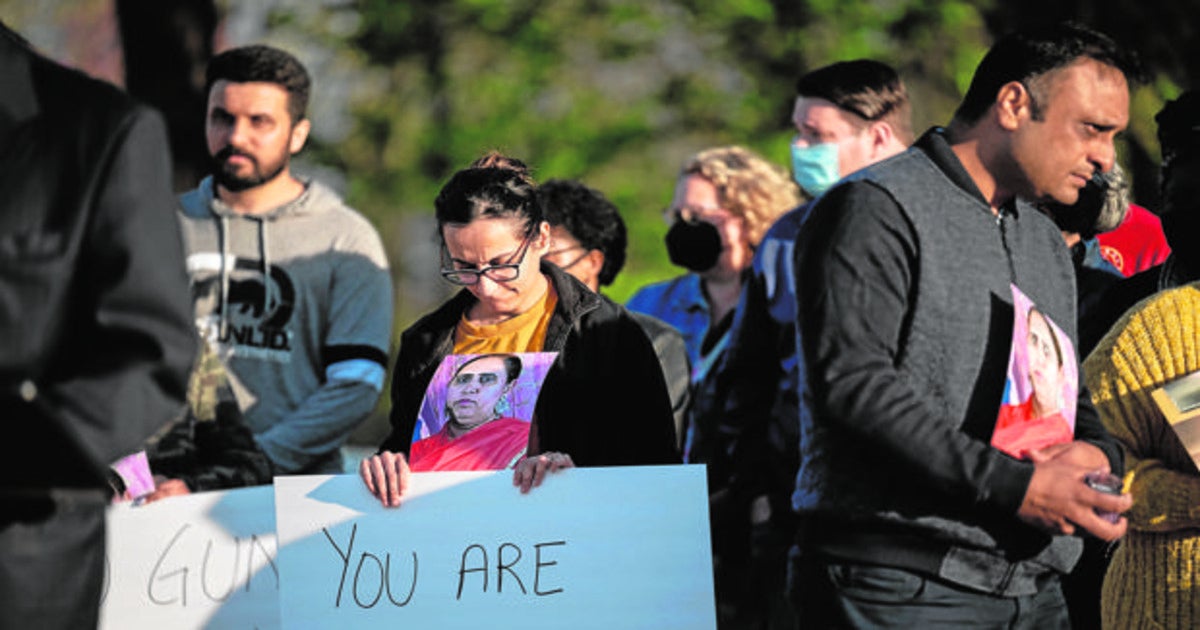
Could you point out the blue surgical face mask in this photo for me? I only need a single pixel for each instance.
(815, 167)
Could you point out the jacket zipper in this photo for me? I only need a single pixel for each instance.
(1001, 215)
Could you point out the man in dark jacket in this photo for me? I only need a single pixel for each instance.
(847, 115)
(95, 323)
(908, 279)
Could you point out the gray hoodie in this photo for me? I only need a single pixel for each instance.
(299, 303)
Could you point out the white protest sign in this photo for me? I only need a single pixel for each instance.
(205, 560)
(605, 548)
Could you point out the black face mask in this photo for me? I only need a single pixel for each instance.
(694, 246)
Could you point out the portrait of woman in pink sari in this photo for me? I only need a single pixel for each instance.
(478, 433)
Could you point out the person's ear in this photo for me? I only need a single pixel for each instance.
(882, 138)
(541, 243)
(593, 262)
(1013, 104)
(299, 136)
(587, 269)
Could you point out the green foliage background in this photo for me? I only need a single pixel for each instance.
(618, 93)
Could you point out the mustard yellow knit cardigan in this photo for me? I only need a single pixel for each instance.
(1153, 580)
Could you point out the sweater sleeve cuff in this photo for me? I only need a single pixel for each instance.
(1112, 451)
(1009, 483)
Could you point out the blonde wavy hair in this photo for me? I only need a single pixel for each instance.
(747, 186)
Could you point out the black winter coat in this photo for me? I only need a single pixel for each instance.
(604, 401)
(96, 333)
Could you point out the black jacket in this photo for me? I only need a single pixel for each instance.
(604, 401)
(95, 317)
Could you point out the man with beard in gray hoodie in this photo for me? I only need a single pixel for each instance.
(290, 284)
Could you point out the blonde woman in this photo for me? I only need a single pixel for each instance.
(725, 199)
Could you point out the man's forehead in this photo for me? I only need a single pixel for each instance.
(821, 114)
(815, 107)
(1088, 82)
(1085, 90)
(224, 90)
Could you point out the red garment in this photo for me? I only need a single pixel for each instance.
(1018, 432)
(493, 445)
(1137, 244)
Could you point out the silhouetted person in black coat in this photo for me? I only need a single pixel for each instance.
(96, 337)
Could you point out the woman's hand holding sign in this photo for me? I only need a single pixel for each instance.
(387, 476)
(531, 470)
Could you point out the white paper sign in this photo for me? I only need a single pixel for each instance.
(604, 548)
(205, 560)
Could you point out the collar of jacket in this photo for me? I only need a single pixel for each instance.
(936, 144)
(574, 301)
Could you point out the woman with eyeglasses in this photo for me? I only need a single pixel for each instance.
(603, 402)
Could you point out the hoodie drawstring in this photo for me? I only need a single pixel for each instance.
(266, 263)
(265, 255)
(224, 238)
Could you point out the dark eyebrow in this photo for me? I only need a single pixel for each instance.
(494, 261)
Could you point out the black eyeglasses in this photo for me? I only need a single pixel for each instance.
(498, 273)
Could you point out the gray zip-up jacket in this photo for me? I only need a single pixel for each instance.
(905, 317)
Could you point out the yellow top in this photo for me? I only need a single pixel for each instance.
(524, 333)
(1154, 578)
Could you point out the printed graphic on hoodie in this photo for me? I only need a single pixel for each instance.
(1042, 384)
(250, 311)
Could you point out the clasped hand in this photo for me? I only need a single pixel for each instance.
(1058, 500)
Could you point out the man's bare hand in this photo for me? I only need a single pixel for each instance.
(1058, 499)
(1078, 453)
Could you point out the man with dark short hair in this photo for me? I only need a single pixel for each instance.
(908, 275)
(290, 284)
